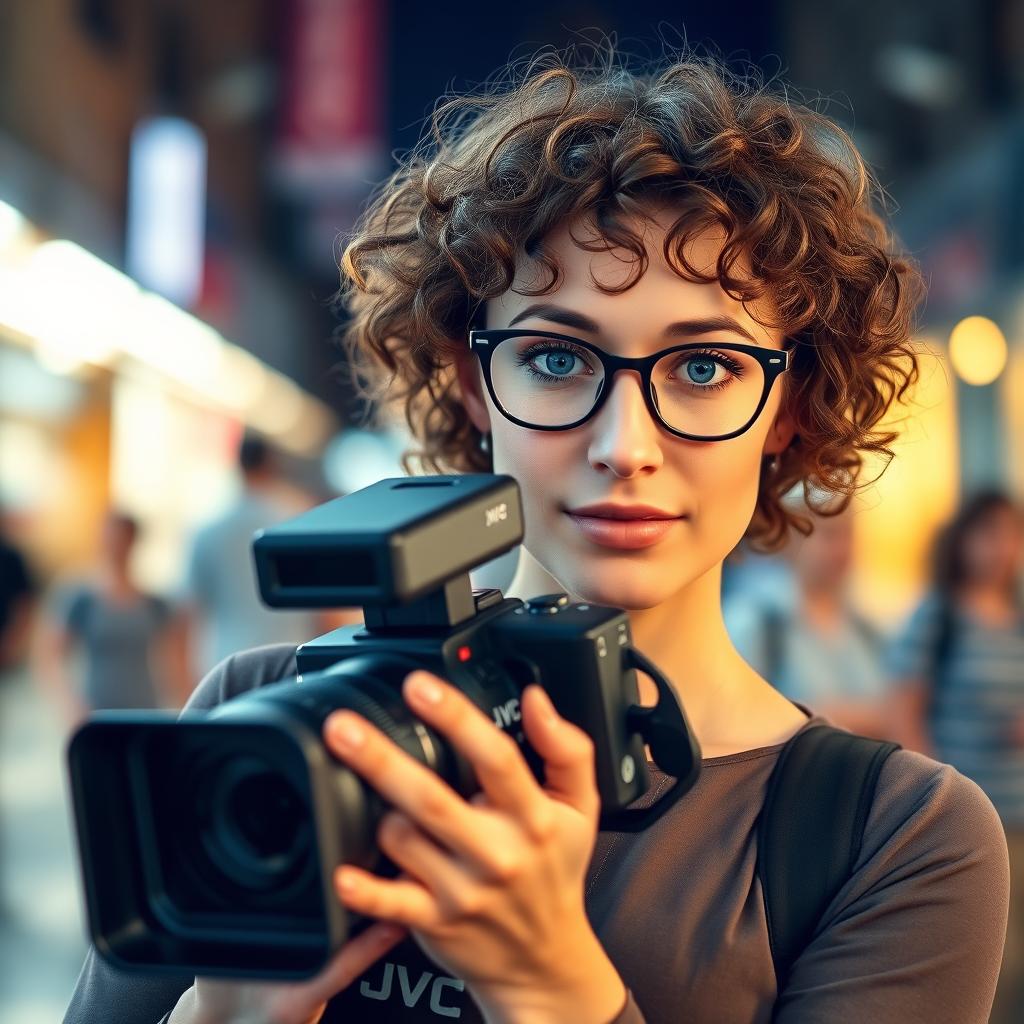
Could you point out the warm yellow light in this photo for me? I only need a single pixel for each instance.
(977, 350)
(75, 311)
(916, 493)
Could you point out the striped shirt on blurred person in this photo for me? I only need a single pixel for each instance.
(975, 677)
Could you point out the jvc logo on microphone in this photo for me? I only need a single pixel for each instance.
(496, 514)
(411, 994)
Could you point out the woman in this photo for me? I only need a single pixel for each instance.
(958, 666)
(585, 215)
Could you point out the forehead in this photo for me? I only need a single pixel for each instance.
(658, 297)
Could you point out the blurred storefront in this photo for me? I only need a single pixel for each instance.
(113, 395)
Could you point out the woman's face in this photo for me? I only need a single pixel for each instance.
(622, 455)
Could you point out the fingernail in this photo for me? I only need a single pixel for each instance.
(345, 881)
(424, 689)
(348, 732)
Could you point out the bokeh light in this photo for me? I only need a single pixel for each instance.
(977, 350)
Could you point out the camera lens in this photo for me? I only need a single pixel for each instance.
(257, 828)
(264, 816)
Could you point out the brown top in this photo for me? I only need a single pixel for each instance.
(916, 933)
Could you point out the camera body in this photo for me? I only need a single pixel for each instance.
(574, 650)
(208, 844)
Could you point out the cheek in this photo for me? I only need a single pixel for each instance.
(723, 479)
(543, 463)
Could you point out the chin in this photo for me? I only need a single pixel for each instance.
(634, 587)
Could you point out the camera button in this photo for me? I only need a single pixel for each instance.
(547, 604)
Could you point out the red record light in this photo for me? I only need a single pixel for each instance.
(464, 654)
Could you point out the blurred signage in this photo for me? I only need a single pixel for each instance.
(332, 120)
(167, 208)
(331, 140)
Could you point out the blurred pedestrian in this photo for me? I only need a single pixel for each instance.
(16, 605)
(805, 636)
(103, 642)
(959, 670)
(221, 611)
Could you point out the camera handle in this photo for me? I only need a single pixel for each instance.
(665, 729)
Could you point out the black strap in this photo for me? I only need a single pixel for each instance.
(810, 830)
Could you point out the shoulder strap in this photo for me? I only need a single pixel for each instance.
(810, 830)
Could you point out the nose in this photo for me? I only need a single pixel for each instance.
(625, 438)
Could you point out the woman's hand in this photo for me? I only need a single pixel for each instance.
(493, 888)
(211, 1001)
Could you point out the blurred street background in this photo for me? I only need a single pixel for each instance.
(176, 181)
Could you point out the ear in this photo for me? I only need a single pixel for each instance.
(781, 435)
(471, 388)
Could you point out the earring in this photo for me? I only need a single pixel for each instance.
(772, 464)
(485, 442)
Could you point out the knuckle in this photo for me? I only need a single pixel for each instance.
(466, 902)
(541, 825)
(505, 867)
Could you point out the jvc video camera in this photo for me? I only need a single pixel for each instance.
(208, 843)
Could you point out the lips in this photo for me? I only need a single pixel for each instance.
(607, 510)
(626, 527)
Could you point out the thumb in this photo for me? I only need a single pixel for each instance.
(352, 959)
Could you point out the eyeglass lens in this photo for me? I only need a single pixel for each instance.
(552, 383)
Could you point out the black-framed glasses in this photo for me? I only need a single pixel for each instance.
(699, 391)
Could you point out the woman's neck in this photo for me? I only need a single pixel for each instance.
(729, 706)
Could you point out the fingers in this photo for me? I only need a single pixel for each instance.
(499, 765)
(403, 901)
(567, 752)
(420, 793)
(402, 781)
(454, 886)
(416, 853)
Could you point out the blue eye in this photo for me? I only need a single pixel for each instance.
(554, 361)
(559, 363)
(700, 371)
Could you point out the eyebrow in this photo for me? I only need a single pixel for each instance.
(678, 329)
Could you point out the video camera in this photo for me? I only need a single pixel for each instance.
(208, 843)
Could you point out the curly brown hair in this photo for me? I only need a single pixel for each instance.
(563, 138)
